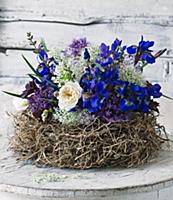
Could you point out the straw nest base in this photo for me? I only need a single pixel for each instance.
(99, 144)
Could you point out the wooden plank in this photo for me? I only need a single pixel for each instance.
(13, 35)
(82, 9)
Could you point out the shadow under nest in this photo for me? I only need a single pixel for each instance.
(98, 144)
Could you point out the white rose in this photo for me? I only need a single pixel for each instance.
(20, 104)
(69, 95)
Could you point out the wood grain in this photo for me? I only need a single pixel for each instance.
(82, 9)
(14, 34)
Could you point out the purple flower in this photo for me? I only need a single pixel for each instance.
(77, 45)
(29, 89)
(41, 100)
(104, 50)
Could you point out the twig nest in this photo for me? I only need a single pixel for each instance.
(98, 144)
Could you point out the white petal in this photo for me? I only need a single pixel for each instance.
(20, 104)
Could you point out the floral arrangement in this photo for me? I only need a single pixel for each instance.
(86, 87)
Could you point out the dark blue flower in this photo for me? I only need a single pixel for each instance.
(115, 44)
(145, 45)
(142, 51)
(116, 55)
(93, 104)
(126, 106)
(86, 54)
(148, 57)
(105, 62)
(154, 90)
(132, 49)
(104, 50)
(42, 70)
(43, 55)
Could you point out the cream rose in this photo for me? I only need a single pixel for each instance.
(69, 95)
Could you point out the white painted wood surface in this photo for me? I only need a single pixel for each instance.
(60, 21)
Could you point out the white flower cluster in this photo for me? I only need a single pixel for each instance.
(127, 72)
(73, 118)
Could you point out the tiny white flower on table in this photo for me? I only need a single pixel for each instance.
(69, 95)
(20, 104)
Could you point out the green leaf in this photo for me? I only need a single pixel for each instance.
(13, 94)
(34, 76)
(100, 67)
(29, 64)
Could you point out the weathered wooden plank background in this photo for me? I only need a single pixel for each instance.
(60, 21)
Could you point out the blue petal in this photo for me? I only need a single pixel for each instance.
(115, 44)
(124, 48)
(43, 55)
(86, 54)
(145, 45)
(116, 56)
(106, 62)
(104, 50)
(101, 86)
(94, 102)
(42, 70)
(150, 59)
(131, 50)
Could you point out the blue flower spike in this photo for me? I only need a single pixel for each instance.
(86, 54)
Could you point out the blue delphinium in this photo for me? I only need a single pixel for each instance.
(142, 51)
(45, 69)
(109, 97)
(137, 98)
(86, 54)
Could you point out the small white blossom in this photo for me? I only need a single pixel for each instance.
(20, 104)
(44, 115)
